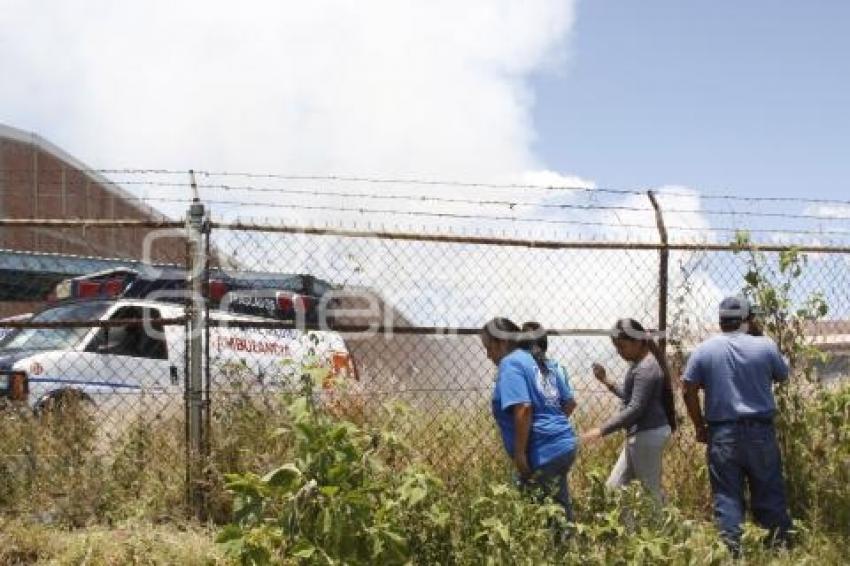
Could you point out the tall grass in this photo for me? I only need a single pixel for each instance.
(59, 471)
(128, 542)
(466, 511)
(815, 438)
(61, 467)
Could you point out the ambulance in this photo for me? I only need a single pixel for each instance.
(112, 365)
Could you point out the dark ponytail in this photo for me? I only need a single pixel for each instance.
(667, 397)
(630, 329)
(534, 340)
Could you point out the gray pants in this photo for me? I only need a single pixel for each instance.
(640, 460)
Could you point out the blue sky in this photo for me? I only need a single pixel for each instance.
(745, 97)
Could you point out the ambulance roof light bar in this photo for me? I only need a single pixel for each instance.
(109, 283)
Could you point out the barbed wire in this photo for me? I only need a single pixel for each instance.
(425, 198)
(109, 198)
(511, 204)
(363, 210)
(480, 217)
(517, 203)
(712, 196)
(339, 194)
(428, 182)
(339, 178)
(102, 184)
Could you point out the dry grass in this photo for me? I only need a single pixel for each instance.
(127, 543)
(65, 500)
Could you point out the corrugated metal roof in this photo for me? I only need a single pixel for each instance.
(35, 140)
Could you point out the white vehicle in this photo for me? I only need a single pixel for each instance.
(4, 330)
(108, 365)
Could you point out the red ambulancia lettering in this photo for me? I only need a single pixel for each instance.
(248, 345)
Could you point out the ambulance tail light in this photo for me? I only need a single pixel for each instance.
(87, 289)
(112, 287)
(287, 301)
(91, 289)
(217, 290)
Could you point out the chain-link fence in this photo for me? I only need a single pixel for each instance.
(91, 383)
(423, 299)
(129, 387)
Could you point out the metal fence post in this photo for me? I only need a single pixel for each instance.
(196, 314)
(663, 263)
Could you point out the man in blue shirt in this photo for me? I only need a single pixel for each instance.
(737, 371)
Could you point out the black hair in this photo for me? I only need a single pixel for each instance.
(503, 330)
(630, 329)
(536, 342)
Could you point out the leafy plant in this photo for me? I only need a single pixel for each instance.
(789, 318)
(348, 496)
(323, 506)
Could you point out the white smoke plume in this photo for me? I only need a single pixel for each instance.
(397, 89)
(389, 87)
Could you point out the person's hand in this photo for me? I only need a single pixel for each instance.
(599, 374)
(522, 467)
(591, 436)
(702, 434)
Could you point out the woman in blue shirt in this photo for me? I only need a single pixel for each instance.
(531, 404)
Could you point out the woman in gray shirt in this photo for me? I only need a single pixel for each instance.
(648, 415)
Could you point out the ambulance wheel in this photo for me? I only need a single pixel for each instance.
(65, 402)
(68, 421)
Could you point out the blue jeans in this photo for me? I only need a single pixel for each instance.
(550, 481)
(742, 452)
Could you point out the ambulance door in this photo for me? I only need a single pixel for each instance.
(132, 360)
